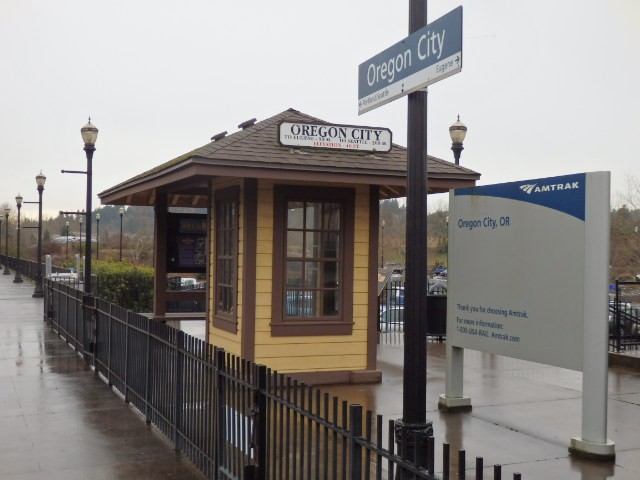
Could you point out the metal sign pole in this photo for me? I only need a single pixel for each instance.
(413, 427)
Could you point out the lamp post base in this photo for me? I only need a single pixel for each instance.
(18, 278)
(415, 438)
(6, 271)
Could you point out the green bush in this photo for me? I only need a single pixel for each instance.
(126, 285)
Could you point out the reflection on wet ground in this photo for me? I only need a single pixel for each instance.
(59, 421)
(523, 416)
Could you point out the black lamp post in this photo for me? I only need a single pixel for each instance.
(382, 224)
(121, 211)
(1, 239)
(6, 240)
(457, 131)
(97, 236)
(89, 136)
(80, 220)
(67, 254)
(38, 293)
(18, 278)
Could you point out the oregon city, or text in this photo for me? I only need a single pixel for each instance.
(467, 322)
(487, 223)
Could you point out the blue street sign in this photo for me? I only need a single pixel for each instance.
(426, 56)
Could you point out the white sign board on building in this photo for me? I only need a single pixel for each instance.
(528, 279)
(340, 137)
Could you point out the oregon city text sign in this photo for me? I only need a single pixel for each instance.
(426, 56)
(341, 137)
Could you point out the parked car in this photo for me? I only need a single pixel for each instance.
(439, 269)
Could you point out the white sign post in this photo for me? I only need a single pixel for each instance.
(528, 279)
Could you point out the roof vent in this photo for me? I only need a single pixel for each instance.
(247, 124)
(220, 135)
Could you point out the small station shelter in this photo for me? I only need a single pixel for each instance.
(286, 238)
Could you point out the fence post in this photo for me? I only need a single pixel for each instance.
(220, 408)
(261, 422)
(616, 320)
(127, 332)
(178, 388)
(147, 379)
(355, 449)
(109, 333)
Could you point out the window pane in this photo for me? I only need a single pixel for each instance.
(314, 216)
(331, 216)
(310, 304)
(295, 214)
(312, 245)
(311, 271)
(330, 244)
(294, 274)
(294, 244)
(294, 305)
(330, 277)
(330, 302)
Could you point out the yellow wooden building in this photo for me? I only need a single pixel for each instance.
(287, 239)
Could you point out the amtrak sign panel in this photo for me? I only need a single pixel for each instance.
(340, 137)
(521, 256)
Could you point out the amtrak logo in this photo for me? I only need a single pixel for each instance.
(557, 187)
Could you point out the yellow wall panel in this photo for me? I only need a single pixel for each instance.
(263, 337)
(323, 363)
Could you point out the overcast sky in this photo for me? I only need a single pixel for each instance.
(548, 87)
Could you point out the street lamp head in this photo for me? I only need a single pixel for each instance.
(89, 133)
(40, 179)
(80, 220)
(6, 212)
(121, 211)
(97, 216)
(67, 224)
(458, 131)
(19, 201)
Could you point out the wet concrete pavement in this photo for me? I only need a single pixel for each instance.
(59, 421)
(523, 416)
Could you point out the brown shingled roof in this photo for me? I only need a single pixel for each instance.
(255, 150)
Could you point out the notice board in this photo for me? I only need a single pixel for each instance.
(187, 243)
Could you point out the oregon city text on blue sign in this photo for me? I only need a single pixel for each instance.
(429, 44)
(426, 56)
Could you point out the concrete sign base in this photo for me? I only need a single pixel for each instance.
(593, 450)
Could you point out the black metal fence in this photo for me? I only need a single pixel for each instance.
(234, 419)
(391, 311)
(26, 268)
(624, 318)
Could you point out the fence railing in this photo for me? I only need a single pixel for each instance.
(27, 268)
(624, 317)
(234, 419)
(391, 311)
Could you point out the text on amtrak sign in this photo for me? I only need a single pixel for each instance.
(341, 137)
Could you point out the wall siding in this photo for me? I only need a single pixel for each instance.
(316, 353)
